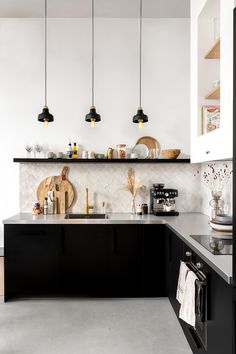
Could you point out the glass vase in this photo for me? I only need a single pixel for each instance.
(133, 207)
(216, 204)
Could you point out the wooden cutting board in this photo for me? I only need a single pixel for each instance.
(150, 142)
(62, 188)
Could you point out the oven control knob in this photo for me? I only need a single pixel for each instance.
(199, 265)
(167, 194)
(188, 254)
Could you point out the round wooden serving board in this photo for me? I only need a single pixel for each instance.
(62, 188)
(150, 142)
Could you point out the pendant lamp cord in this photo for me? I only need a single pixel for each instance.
(92, 52)
(140, 53)
(45, 51)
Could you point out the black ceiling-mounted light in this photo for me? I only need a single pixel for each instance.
(140, 117)
(92, 117)
(45, 116)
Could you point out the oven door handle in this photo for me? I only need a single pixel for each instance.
(194, 337)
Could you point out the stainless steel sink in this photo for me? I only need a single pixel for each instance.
(86, 216)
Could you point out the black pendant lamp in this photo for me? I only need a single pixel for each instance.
(92, 117)
(45, 117)
(140, 117)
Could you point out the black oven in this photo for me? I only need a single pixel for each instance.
(199, 333)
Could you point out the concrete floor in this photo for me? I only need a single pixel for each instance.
(90, 326)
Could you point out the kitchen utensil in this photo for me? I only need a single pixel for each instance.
(220, 222)
(141, 150)
(170, 153)
(60, 155)
(110, 153)
(91, 155)
(51, 155)
(151, 143)
(61, 187)
(37, 150)
(220, 227)
(100, 156)
(60, 202)
(223, 219)
(153, 153)
(84, 154)
(133, 155)
(139, 209)
(29, 149)
(144, 209)
(121, 151)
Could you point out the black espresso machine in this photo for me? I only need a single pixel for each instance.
(162, 200)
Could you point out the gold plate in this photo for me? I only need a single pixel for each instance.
(150, 142)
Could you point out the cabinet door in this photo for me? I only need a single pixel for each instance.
(86, 259)
(154, 260)
(31, 259)
(174, 250)
(220, 313)
(126, 260)
(216, 144)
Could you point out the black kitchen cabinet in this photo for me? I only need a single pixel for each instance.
(219, 331)
(126, 260)
(154, 260)
(220, 312)
(32, 254)
(85, 260)
(174, 254)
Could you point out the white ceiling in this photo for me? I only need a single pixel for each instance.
(104, 8)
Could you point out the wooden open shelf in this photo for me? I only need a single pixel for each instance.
(214, 51)
(96, 161)
(214, 94)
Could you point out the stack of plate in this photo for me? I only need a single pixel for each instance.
(145, 146)
(222, 222)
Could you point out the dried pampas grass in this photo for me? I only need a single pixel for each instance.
(133, 184)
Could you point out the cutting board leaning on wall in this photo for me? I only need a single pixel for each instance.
(62, 190)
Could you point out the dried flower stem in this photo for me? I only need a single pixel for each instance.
(133, 184)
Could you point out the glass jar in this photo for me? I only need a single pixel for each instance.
(139, 210)
(121, 151)
(216, 204)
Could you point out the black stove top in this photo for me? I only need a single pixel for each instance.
(217, 245)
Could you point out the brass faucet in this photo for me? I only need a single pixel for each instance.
(87, 206)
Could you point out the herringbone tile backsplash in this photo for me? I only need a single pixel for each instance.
(106, 183)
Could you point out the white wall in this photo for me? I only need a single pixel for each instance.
(165, 87)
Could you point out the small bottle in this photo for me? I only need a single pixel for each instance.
(50, 202)
(75, 152)
(139, 209)
(144, 209)
(69, 151)
(45, 206)
(104, 208)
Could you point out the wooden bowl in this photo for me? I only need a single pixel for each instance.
(170, 153)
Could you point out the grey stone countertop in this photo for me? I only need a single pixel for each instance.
(184, 225)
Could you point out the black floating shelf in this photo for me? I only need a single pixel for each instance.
(93, 161)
